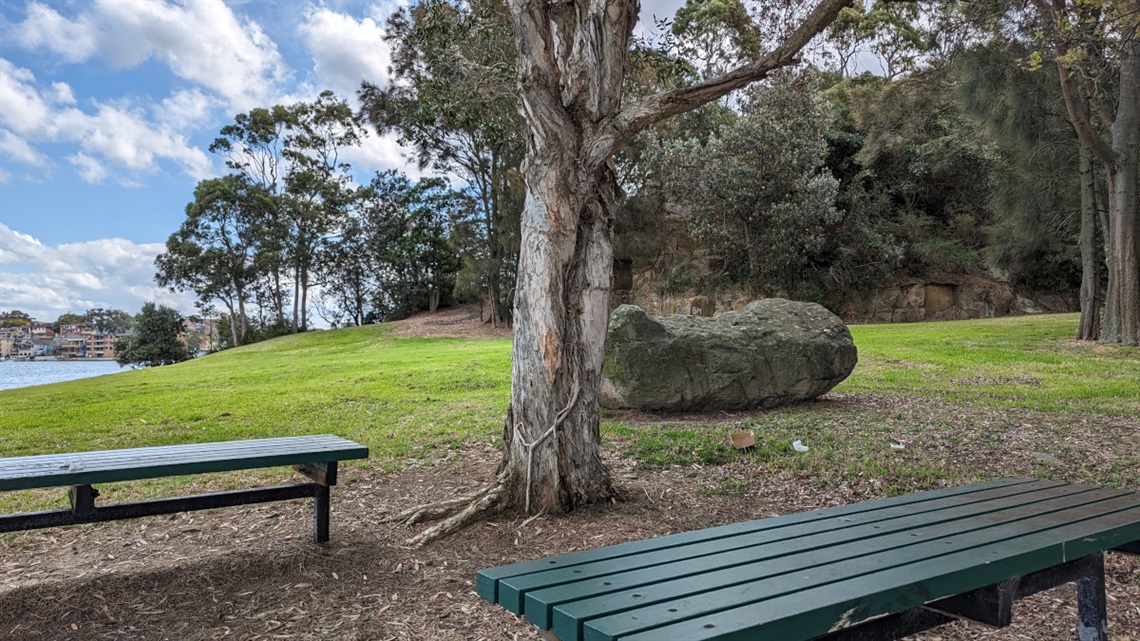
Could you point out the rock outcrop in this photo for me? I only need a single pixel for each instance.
(772, 352)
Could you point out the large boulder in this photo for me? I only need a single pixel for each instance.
(772, 352)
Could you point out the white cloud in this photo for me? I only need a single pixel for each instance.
(24, 109)
(110, 135)
(73, 40)
(185, 109)
(381, 153)
(202, 41)
(18, 149)
(110, 272)
(90, 170)
(345, 50)
(5, 176)
(61, 93)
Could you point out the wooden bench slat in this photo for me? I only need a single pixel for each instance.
(487, 580)
(511, 591)
(681, 576)
(106, 466)
(804, 614)
(38, 463)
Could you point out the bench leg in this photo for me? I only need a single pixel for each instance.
(82, 499)
(320, 514)
(1092, 612)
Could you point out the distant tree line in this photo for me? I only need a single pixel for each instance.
(103, 321)
(289, 221)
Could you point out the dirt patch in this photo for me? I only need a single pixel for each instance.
(460, 321)
(251, 573)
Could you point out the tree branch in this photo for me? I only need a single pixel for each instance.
(652, 109)
(1078, 113)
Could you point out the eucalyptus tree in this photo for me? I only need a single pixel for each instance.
(293, 153)
(1095, 47)
(215, 251)
(573, 58)
(715, 36)
(349, 272)
(419, 263)
(317, 187)
(454, 102)
(253, 146)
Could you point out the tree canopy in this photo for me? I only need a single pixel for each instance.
(154, 340)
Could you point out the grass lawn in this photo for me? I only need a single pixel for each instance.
(412, 399)
(1026, 362)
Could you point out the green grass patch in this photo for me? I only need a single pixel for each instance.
(843, 447)
(405, 398)
(1028, 362)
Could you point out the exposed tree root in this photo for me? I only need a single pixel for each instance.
(433, 511)
(456, 513)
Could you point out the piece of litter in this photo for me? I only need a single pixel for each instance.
(799, 447)
(74, 466)
(898, 446)
(742, 440)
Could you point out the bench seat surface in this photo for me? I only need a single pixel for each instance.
(107, 466)
(800, 576)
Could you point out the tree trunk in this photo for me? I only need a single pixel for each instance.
(561, 313)
(1122, 312)
(304, 297)
(1089, 329)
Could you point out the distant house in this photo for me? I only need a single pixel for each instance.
(42, 331)
(201, 335)
(44, 346)
(103, 345)
(25, 349)
(79, 340)
(74, 346)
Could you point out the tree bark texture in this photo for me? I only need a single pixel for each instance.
(1122, 309)
(1089, 329)
(572, 64)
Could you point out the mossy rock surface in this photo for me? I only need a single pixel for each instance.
(773, 352)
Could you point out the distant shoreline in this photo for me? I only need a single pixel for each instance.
(57, 360)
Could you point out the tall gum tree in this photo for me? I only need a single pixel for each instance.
(1076, 33)
(572, 61)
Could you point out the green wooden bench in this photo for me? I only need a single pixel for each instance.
(877, 570)
(314, 456)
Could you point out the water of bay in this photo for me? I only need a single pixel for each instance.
(15, 374)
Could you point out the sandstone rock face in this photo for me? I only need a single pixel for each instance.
(969, 298)
(772, 352)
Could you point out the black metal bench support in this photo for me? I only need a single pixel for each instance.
(993, 605)
(324, 477)
(84, 510)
